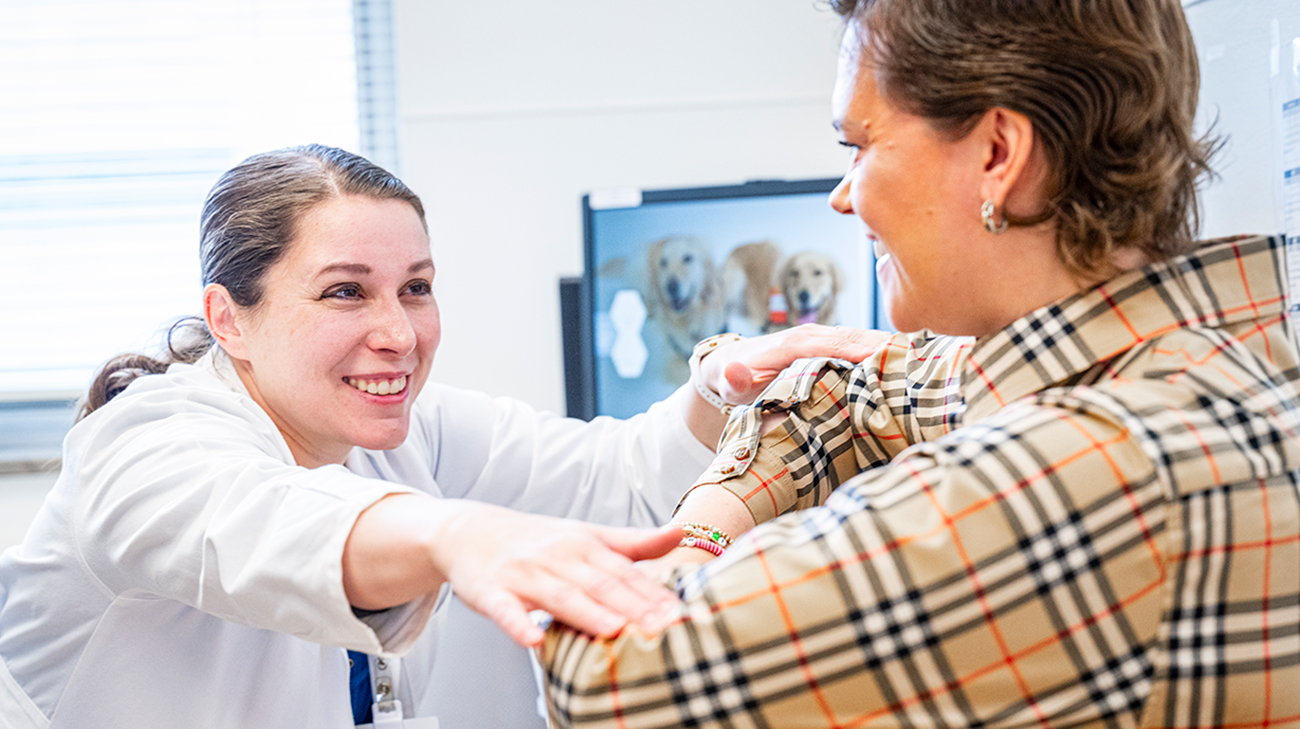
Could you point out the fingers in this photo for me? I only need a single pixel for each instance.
(608, 597)
(843, 342)
(750, 365)
(646, 600)
(509, 614)
(581, 574)
(662, 569)
(639, 543)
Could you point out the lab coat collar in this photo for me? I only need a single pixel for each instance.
(218, 363)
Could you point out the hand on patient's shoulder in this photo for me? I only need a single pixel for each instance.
(740, 371)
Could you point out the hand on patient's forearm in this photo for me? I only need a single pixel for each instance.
(503, 564)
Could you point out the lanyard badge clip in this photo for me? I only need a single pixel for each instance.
(387, 710)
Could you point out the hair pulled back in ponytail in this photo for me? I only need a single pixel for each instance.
(187, 340)
(249, 220)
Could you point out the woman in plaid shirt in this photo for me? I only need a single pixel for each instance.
(1067, 495)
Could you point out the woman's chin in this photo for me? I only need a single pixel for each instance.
(382, 437)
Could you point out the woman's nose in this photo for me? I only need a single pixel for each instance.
(392, 329)
(840, 197)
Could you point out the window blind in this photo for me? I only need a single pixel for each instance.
(116, 118)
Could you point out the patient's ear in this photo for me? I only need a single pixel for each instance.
(221, 314)
(1013, 175)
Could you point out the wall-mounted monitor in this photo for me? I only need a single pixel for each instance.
(667, 268)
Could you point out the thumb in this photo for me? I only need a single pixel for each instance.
(638, 544)
(740, 385)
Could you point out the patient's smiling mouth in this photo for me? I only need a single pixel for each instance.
(378, 387)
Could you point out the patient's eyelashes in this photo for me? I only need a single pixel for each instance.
(419, 287)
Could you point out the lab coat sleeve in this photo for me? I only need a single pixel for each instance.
(610, 471)
(190, 494)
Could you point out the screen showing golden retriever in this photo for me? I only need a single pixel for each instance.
(667, 273)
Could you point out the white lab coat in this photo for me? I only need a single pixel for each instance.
(183, 572)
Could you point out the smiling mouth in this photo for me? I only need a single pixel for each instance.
(378, 387)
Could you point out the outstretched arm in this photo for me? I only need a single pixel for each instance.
(504, 563)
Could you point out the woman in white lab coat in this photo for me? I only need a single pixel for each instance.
(288, 487)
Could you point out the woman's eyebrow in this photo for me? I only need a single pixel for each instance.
(355, 268)
(362, 269)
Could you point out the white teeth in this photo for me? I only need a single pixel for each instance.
(379, 387)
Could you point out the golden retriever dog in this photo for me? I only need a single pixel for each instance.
(810, 281)
(685, 295)
(747, 287)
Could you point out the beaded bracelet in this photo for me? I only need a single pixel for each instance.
(703, 348)
(706, 531)
(704, 544)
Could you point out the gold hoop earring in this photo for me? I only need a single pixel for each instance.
(986, 215)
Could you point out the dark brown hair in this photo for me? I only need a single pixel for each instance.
(1109, 85)
(249, 219)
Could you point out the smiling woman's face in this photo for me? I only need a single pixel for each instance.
(345, 334)
(917, 192)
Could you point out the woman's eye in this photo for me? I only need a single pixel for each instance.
(420, 288)
(849, 145)
(344, 291)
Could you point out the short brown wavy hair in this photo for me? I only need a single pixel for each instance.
(1109, 85)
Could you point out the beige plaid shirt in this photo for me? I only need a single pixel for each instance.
(1090, 518)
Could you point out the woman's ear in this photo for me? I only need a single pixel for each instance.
(1012, 176)
(219, 311)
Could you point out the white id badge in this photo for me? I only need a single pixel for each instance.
(387, 710)
(392, 719)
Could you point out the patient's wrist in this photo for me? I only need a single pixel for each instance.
(708, 393)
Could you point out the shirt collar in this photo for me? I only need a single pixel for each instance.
(1222, 282)
(217, 362)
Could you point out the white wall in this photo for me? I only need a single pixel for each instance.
(510, 111)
